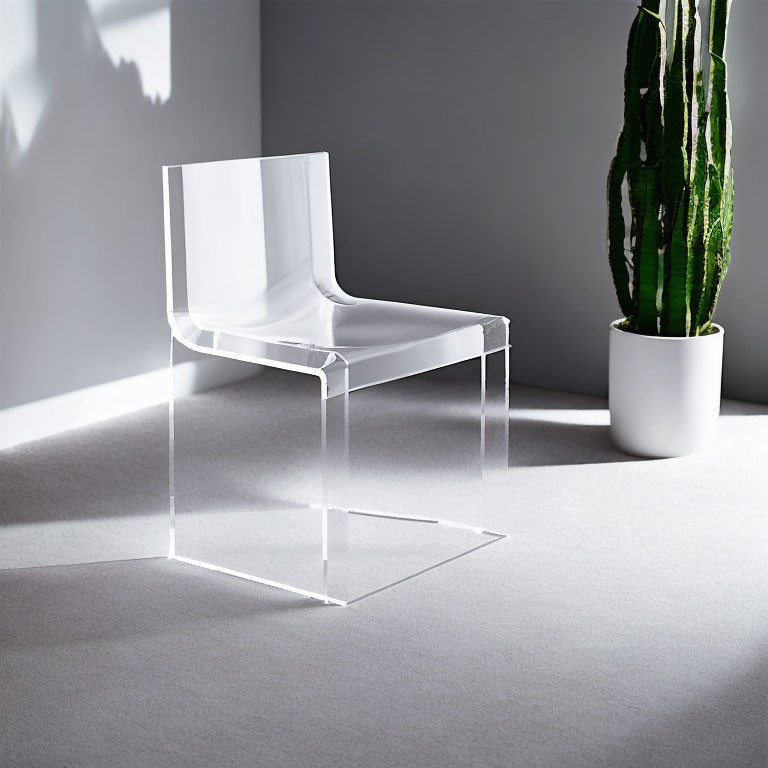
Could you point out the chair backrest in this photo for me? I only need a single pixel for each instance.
(248, 241)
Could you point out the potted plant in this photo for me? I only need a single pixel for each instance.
(672, 181)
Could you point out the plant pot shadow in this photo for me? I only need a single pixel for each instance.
(545, 442)
(739, 408)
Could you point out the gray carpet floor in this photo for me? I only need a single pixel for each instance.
(623, 621)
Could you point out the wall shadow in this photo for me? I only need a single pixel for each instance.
(470, 142)
(722, 726)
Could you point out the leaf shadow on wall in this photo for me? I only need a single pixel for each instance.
(82, 300)
(82, 249)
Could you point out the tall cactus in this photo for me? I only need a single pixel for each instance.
(673, 167)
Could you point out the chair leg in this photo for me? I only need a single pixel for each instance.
(494, 408)
(335, 468)
(171, 456)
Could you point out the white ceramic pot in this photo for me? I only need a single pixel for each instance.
(664, 392)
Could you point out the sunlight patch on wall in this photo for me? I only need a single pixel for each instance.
(22, 87)
(138, 32)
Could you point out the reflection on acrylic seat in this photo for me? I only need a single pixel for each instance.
(250, 276)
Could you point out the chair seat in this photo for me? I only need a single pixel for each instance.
(377, 340)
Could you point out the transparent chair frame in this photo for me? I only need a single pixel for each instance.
(250, 276)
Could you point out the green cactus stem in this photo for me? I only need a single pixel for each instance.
(674, 158)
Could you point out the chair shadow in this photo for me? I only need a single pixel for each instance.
(118, 468)
(74, 604)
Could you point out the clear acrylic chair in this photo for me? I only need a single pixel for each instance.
(250, 276)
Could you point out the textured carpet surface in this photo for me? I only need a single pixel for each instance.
(622, 623)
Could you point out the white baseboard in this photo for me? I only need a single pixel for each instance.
(43, 418)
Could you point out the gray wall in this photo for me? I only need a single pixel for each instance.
(82, 276)
(470, 141)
